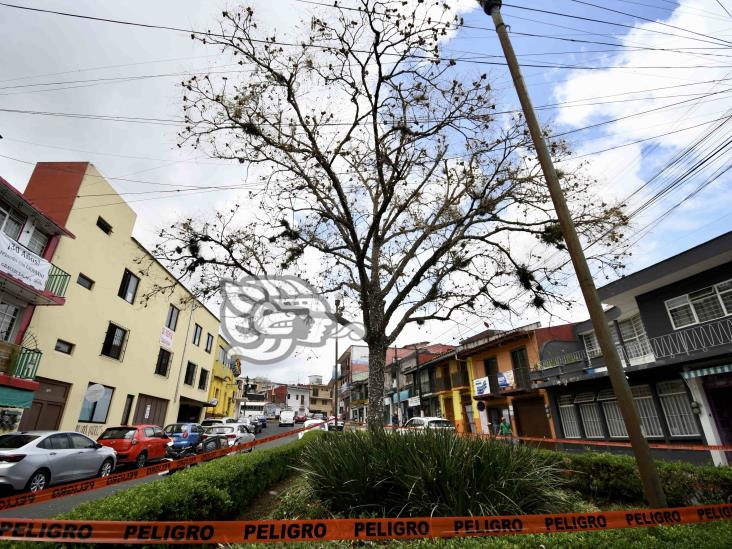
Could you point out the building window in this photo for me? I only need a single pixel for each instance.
(520, 365)
(8, 317)
(172, 319)
(315, 391)
(14, 224)
(37, 242)
(634, 338)
(85, 281)
(104, 225)
(676, 408)
(96, 412)
(701, 306)
(64, 346)
(613, 417)
(209, 343)
(128, 286)
(127, 410)
(568, 416)
(592, 347)
(114, 341)
(203, 379)
(650, 423)
(190, 374)
(197, 330)
(222, 355)
(591, 421)
(162, 366)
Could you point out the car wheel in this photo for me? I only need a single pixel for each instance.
(106, 469)
(141, 460)
(38, 481)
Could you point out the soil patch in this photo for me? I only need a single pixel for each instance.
(264, 505)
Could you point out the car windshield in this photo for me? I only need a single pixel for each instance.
(15, 441)
(441, 424)
(219, 430)
(176, 428)
(119, 432)
(231, 421)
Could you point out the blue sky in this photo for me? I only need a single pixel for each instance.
(53, 50)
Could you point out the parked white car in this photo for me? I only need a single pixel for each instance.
(321, 425)
(287, 417)
(235, 433)
(421, 423)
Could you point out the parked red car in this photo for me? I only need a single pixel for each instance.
(300, 418)
(138, 444)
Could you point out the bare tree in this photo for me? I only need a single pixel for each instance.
(383, 163)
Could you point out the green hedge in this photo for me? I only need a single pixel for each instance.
(614, 478)
(216, 490)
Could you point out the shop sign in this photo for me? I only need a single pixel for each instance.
(166, 338)
(481, 386)
(413, 401)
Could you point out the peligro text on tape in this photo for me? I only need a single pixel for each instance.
(351, 529)
(79, 487)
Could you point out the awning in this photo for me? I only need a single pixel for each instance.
(714, 370)
(16, 398)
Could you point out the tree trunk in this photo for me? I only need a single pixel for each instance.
(377, 362)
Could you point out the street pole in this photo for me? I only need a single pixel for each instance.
(646, 466)
(419, 382)
(335, 387)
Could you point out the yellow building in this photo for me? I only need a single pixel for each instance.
(223, 384)
(112, 356)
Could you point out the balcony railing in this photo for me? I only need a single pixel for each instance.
(460, 379)
(567, 358)
(426, 387)
(58, 281)
(521, 378)
(692, 340)
(25, 364)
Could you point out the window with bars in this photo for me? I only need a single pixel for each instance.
(701, 306)
(650, 422)
(37, 242)
(677, 408)
(590, 415)
(568, 417)
(592, 346)
(634, 337)
(8, 318)
(613, 417)
(114, 342)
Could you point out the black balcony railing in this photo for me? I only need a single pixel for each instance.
(521, 378)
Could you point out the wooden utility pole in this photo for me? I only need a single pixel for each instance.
(646, 466)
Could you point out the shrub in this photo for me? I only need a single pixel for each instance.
(614, 478)
(430, 473)
(214, 490)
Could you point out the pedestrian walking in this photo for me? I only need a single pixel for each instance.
(504, 428)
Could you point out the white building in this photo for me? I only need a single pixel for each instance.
(298, 398)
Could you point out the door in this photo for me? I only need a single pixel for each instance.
(47, 408)
(150, 410)
(61, 457)
(86, 456)
(158, 443)
(530, 416)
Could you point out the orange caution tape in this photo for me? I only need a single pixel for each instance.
(74, 488)
(192, 533)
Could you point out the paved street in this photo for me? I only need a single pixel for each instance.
(56, 507)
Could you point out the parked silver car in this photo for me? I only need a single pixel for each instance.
(33, 460)
(235, 433)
